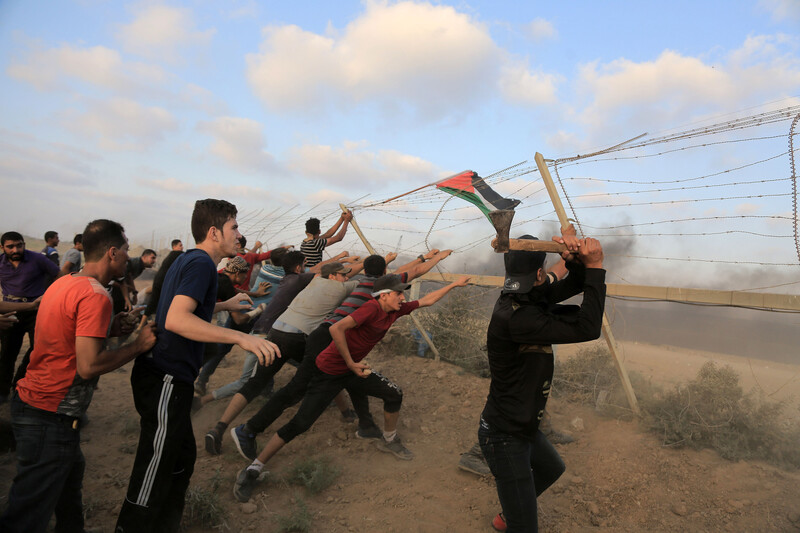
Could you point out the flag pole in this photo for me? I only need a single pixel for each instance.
(420, 188)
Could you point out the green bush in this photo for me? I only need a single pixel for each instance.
(709, 411)
(712, 411)
(299, 520)
(315, 474)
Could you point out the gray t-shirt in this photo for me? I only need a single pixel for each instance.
(315, 303)
(73, 255)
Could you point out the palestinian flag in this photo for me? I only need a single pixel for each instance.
(471, 187)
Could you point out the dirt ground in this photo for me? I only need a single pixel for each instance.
(618, 477)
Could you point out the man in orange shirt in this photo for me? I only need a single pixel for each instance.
(69, 356)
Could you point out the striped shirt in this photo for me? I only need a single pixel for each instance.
(312, 249)
(360, 295)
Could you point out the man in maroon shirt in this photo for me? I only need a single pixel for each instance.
(340, 366)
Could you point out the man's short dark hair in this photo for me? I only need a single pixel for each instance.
(242, 241)
(50, 234)
(374, 265)
(78, 238)
(10, 236)
(174, 243)
(101, 235)
(292, 260)
(277, 255)
(210, 213)
(148, 251)
(312, 226)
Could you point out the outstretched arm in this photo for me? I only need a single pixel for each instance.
(318, 267)
(182, 321)
(423, 268)
(328, 234)
(433, 297)
(344, 221)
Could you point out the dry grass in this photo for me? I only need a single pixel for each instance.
(710, 411)
(299, 520)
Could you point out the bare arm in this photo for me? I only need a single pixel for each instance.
(417, 261)
(345, 220)
(233, 303)
(318, 267)
(328, 234)
(11, 307)
(569, 238)
(357, 268)
(92, 359)
(182, 321)
(340, 341)
(66, 266)
(433, 297)
(423, 268)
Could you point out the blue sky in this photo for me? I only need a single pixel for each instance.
(134, 110)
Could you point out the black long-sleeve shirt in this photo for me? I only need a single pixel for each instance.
(521, 333)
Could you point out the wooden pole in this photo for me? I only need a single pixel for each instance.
(371, 250)
(609, 336)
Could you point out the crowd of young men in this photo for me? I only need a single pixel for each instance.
(311, 313)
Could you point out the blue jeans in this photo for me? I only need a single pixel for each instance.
(522, 470)
(49, 477)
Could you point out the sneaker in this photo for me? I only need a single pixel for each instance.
(473, 462)
(371, 432)
(349, 416)
(213, 441)
(246, 481)
(396, 448)
(245, 442)
(499, 522)
(200, 388)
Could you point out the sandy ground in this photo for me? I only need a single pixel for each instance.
(619, 478)
(668, 365)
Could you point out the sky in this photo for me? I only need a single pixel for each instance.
(134, 110)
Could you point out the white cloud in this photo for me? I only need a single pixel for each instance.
(168, 185)
(326, 196)
(428, 57)
(236, 9)
(627, 97)
(782, 9)
(98, 67)
(121, 124)
(240, 143)
(540, 29)
(521, 86)
(747, 209)
(353, 165)
(103, 67)
(44, 163)
(163, 32)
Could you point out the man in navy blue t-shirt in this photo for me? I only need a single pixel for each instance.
(162, 379)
